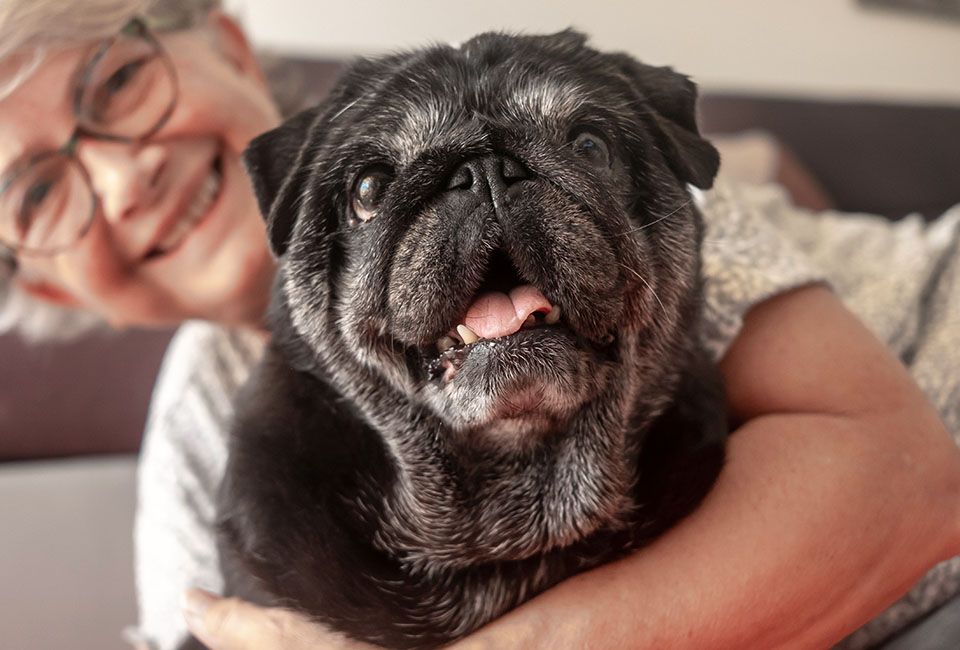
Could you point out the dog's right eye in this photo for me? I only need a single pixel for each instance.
(368, 192)
(590, 145)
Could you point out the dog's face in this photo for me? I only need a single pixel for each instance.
(530, 189)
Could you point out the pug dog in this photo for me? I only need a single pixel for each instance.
(485, 374)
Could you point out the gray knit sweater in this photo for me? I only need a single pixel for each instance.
(757, 245)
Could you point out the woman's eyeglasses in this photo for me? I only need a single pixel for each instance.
(125, 92)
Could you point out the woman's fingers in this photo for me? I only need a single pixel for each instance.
(234, 624)
(228, 623)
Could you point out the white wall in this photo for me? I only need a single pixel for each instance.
(66, 553)
(812, 47)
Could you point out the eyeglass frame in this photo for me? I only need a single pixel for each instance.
(136, 27)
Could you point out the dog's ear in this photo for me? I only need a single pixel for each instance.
(272, 160)
(673, 98)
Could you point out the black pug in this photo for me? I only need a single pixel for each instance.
(485, 373)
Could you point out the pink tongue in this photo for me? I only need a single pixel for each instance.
(496, 314)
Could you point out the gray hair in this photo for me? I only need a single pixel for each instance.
(36, 320)
(29, 29)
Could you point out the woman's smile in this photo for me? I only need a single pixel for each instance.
(173, 234)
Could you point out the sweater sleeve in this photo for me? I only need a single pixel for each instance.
(182, 460)
(746, 259)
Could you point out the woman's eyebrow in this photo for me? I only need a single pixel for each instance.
(90, 55)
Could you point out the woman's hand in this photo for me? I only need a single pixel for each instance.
(234, 624)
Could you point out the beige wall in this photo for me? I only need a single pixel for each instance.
(812, 47)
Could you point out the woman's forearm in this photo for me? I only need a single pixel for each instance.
(815, 525)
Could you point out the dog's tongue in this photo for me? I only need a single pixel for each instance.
(496, 314)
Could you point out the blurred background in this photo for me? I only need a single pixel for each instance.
(845, 49)
(854, 103)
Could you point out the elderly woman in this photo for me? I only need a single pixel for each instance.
(123, 200)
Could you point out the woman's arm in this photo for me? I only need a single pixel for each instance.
(841, 488)
(181, 460)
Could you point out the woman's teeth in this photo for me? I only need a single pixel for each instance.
(201, 204)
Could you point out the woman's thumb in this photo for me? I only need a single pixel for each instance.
(225, 623)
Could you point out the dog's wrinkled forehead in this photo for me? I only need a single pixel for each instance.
(420, 112)
(426, 99)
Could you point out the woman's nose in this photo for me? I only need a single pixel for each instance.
(125, 176)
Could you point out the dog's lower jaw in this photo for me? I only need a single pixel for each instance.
(518, 487)
(528, 387)
(448, 509)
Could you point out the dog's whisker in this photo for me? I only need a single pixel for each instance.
(345, 109)
(653, 223)
(646, 284)
(723, 243)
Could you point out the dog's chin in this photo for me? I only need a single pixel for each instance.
(513, 392)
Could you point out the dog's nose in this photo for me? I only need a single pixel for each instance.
(487, 173)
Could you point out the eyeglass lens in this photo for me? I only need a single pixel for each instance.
(47, 207)
(127, 92)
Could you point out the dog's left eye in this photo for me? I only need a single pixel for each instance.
(592, 146)
(368, 192)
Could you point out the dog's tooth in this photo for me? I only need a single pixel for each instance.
(531, 321)
(444, 343)
(553, 317)
(467, 334)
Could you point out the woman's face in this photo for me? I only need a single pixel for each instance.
(169, 241)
